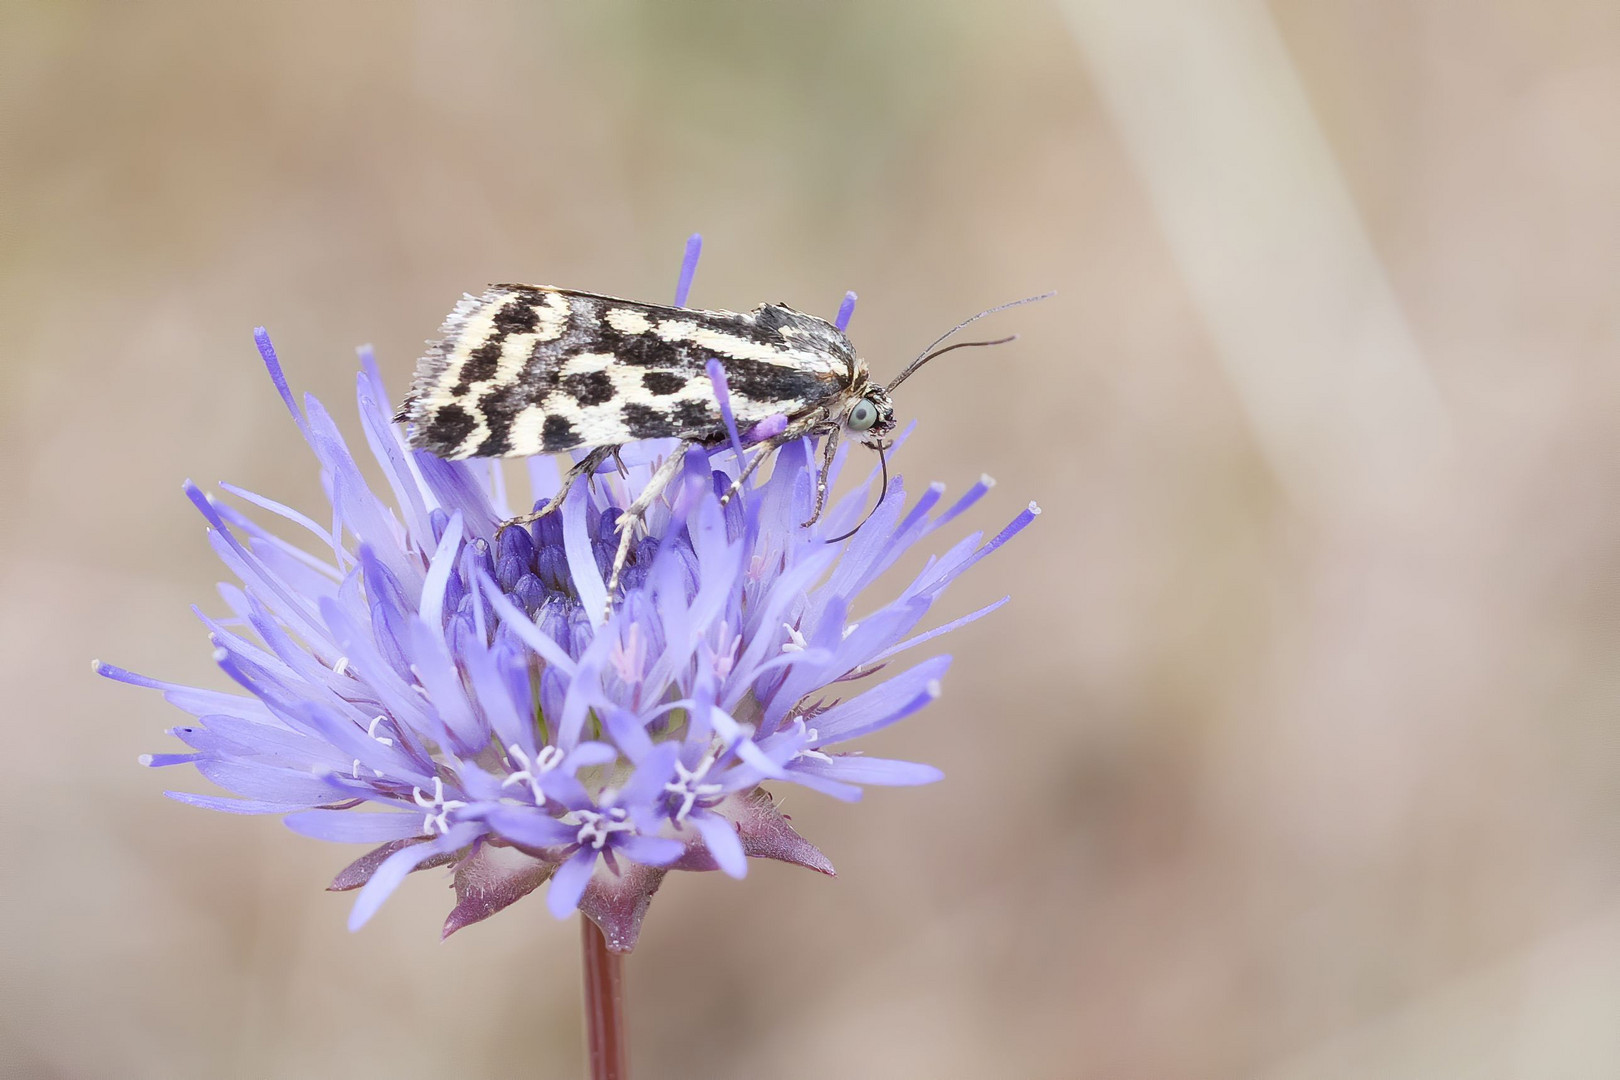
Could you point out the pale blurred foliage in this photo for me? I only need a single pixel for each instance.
(1260, 774)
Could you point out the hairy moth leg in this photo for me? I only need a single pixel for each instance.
(584, 467)
(796, 430)
(630, 520)
(828, 448)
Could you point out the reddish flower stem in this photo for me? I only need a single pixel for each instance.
(607, 1040)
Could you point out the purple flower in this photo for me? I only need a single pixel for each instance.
(417, 680)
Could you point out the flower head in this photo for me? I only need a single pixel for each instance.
(422, 680)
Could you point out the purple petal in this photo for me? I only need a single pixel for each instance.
(587, 577)
(628, 731)
(283, 511)
(720, 836)
(738, 742)
(359, 872)
(438, 575)
(788, 589)
(561, 786)
(350, 827)
(858, 769)
(650, 850)
(393, 693)
(269, 784)
(871, 549)
(383, 438)
(568, 883)
(234, 806)
(530, 827)
(480, 786)
(722, 395)
(837, 789)
(491, 690)
(973, 495)
(938, 631)
(439, 677)
(946, 572)
(524, 627)
(251, 570)
(198, 702)
(683, 287)
(161, 761)
(267, 352)
(457, 488)
(882, 705)
(397, 866)
(846, 311)
(360, 510)
(587, 754)
(648, 781)
(768, 428)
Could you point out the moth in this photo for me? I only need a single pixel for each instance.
(531, 369)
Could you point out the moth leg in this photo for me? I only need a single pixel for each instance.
(584, 467)
(748, 470)
(796, 431)
(631, 519)
(828, 448)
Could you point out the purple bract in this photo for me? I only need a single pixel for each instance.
(420, 681)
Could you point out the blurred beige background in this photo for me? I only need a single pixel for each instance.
(1296, 755)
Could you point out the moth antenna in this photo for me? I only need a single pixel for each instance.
(883, 493)
(929, 353)
(921, 360)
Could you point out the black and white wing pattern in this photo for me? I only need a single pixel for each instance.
(527, 369)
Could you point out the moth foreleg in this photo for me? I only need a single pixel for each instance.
(584, 467)
(828, 449)
(634, 514)
(797, 430)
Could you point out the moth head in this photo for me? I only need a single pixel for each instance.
(870, 416)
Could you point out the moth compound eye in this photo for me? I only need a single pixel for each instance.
(863, 415)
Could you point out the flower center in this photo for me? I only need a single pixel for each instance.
(438, 808)
(596, 827)
(545, 760)
(688, 786)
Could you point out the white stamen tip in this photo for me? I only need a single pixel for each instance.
(937, 487)
(986, 480)
(145, 759)
(220, 655)
(934, 689)
(1034, 510)
(95, 666)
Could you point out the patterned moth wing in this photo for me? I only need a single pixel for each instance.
(527, 369)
